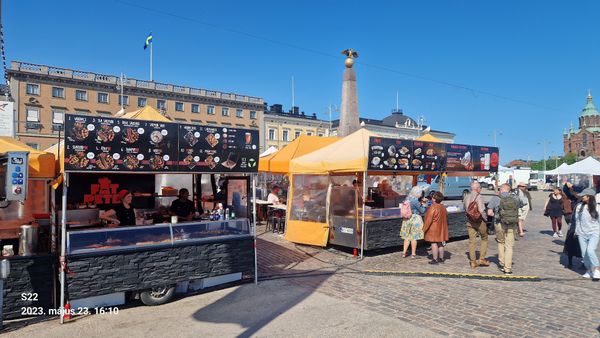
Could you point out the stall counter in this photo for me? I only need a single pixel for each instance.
(382, 228)
(131, 259)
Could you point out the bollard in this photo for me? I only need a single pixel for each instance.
(355, 252)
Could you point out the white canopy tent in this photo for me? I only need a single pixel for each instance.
(561, 169)
(269, 151)
(587, 166)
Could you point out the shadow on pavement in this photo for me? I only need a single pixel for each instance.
(547, 232)
(253, 307)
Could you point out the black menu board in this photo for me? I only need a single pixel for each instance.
(390, 154)
(405, 155)
(486, 158)
(94, 143)
(110, 144)
(217, 149)
(459, 157)
(428, 156)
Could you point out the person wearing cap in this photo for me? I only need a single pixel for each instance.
(587, 228)
(525, 198)
(122, 214)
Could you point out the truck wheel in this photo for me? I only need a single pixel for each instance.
(157, 295)
(490, 186)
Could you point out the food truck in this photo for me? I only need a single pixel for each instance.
(103, 264)
(332, 199)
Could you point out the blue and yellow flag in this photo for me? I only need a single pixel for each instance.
(148, 41)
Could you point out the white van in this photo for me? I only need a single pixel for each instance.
(454, 186)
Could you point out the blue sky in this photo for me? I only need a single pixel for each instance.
(526, 65)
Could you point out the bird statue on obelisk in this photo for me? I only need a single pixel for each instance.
(349, 121)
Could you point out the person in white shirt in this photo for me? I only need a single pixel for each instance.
(587, 229)
(273, 197)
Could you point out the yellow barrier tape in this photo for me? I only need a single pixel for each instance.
(452, 274)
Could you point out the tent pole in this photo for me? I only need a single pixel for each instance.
(63, 242)
(362, 231)
(254, 227)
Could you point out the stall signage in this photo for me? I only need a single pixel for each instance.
(219, 149)
(105, 192)
(95, 143)
(387, 154)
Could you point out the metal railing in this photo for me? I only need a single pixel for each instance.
(102, 78)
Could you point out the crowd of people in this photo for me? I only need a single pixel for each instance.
(425, 218)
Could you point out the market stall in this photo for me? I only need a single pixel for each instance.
(164, 252)
(582, 174)
(330, 187)
(25, 227)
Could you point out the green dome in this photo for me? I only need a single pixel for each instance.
(589, 109)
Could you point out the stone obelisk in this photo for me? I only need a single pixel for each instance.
(349, 121)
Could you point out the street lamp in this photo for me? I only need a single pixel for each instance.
(332, 107)
(545, 143)
(495, 134)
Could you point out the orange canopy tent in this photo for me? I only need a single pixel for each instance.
(147, 114)
(429, 138)
(41, 163)
(279, 162)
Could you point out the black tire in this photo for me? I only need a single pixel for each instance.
(158, 295)
(490, 187)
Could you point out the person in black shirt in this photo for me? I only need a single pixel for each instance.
(122, 214)
(183, 207)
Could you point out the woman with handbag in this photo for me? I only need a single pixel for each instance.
(412, 227)
(554, 208)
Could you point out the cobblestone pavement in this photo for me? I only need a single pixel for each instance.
(561, 303)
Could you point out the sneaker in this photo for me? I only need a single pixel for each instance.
(587, 275)
(441, 261)
(596, 274)
(555, 235)
(433, 262)
(508, 272)
(560, 234)
(484, 262)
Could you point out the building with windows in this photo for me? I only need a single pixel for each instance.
(279, 128)
(400, 126)
(585, 141)
(43, 94)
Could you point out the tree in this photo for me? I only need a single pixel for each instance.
(570, 158)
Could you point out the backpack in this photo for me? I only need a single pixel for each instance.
(473, 210)
(509, 211)
(405, 209)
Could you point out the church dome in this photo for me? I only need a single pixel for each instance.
(589, 109)
(398, 118)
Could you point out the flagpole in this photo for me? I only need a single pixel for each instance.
(151, 60)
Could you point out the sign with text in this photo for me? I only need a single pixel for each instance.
(96, 143)
(387, 154)
(7, 119)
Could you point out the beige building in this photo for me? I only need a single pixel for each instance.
(279, 128)
(43, 94)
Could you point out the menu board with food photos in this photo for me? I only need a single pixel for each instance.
(217, 149)
(459, 157)
(486, 158)
(390, 154)
(429, 156)
(405, 155)
(95, 143)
